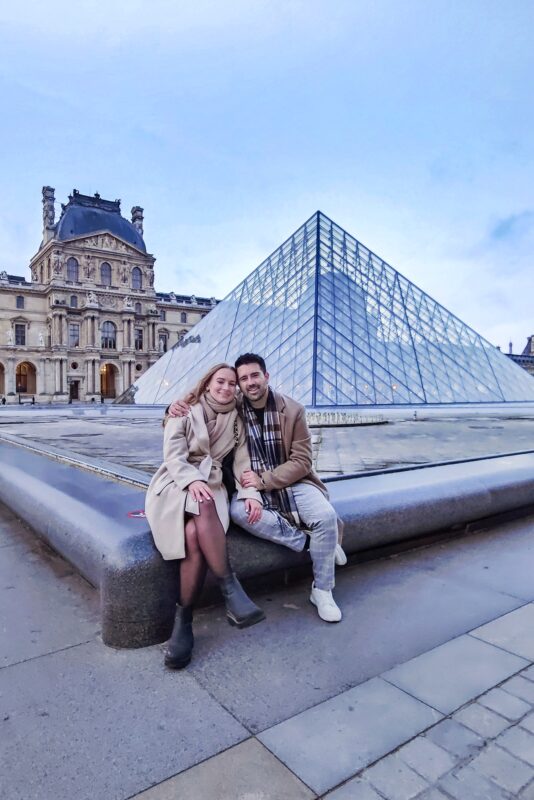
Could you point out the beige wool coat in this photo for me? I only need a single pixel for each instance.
(188, 457)
(296, 441)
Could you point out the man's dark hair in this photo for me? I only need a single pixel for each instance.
(251, 358)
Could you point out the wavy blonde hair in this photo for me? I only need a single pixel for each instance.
(195, 394)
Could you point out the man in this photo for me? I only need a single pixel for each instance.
(294, 498)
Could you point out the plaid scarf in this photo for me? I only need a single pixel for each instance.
(266, 453)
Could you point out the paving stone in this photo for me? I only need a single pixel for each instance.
(426, 758)
(481, 720)
(467, 784)
(92, 723)
(455, 738)
(37, 589)
(518, 742)
(513, 632)
(505, 704)
(454, 673)
(432, 794)
(528, 722)
(502, 768)
(527, 793)
(247, 771)
(395, 779)
(520, 687)
(356, 789)
(333, 741)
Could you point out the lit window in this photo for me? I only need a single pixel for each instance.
(74, 335)
(138, 338)
(137, 278)
(105, 274)
(109, 336)
(20, 334)
(183, 317)
(73, 301)
(72, 270)
(20, 301)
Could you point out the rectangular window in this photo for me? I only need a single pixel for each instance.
(20, 301)
(138, 338)
(163, 342)
(20, 334)
(74, 335)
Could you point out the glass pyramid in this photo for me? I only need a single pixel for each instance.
(338, 326)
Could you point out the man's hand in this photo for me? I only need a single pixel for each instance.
(249, 480)
(179, 409)
(253, 509)
(200, 491)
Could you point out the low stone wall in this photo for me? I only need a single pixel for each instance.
(93, 522)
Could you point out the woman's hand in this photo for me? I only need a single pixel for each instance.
(200, 491)
(253, 509)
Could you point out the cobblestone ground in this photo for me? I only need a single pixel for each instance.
(484, 751)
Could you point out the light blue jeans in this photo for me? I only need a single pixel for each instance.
(319, 519)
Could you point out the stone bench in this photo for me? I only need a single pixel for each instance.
(90, 519)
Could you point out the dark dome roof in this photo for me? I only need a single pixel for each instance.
(84, 215)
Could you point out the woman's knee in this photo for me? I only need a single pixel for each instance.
(208, 511)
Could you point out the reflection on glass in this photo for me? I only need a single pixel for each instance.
(338, 326)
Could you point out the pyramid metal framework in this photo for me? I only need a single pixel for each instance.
(339, 327)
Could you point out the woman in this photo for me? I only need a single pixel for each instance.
(187, 504)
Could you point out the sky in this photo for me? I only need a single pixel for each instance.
(408, 122)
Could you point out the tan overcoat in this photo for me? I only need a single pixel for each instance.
(296, 440)
(187, 457)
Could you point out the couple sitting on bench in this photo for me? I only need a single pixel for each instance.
(278, 495)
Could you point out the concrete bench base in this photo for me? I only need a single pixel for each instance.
(85, 517)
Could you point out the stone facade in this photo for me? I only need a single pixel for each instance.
(90, 321)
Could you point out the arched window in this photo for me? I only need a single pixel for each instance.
(109, 336)
(105, 274)
(137, 308)
(72, 269)
(73, 301)
(137, 278)
(183, 317)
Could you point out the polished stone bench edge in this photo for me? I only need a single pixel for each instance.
(117, 554)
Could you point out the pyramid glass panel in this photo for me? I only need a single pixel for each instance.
(338, 327)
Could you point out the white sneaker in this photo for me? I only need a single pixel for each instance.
(325, 604)
(340, 557)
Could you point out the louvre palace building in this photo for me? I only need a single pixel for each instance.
(89, 323)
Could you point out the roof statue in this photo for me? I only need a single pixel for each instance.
(338, 327)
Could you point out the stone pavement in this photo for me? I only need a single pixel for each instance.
(425, 689)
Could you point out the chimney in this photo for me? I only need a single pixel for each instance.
(49, 214)
(137, 219)
(510, 350)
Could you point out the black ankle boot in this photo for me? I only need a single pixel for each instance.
(180, 645)
(240, 609)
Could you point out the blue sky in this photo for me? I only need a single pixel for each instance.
(408, 122)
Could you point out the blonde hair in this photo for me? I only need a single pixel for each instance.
(195, 394)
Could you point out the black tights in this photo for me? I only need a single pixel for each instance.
(205, 546)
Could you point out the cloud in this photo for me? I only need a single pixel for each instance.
(513, 227)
